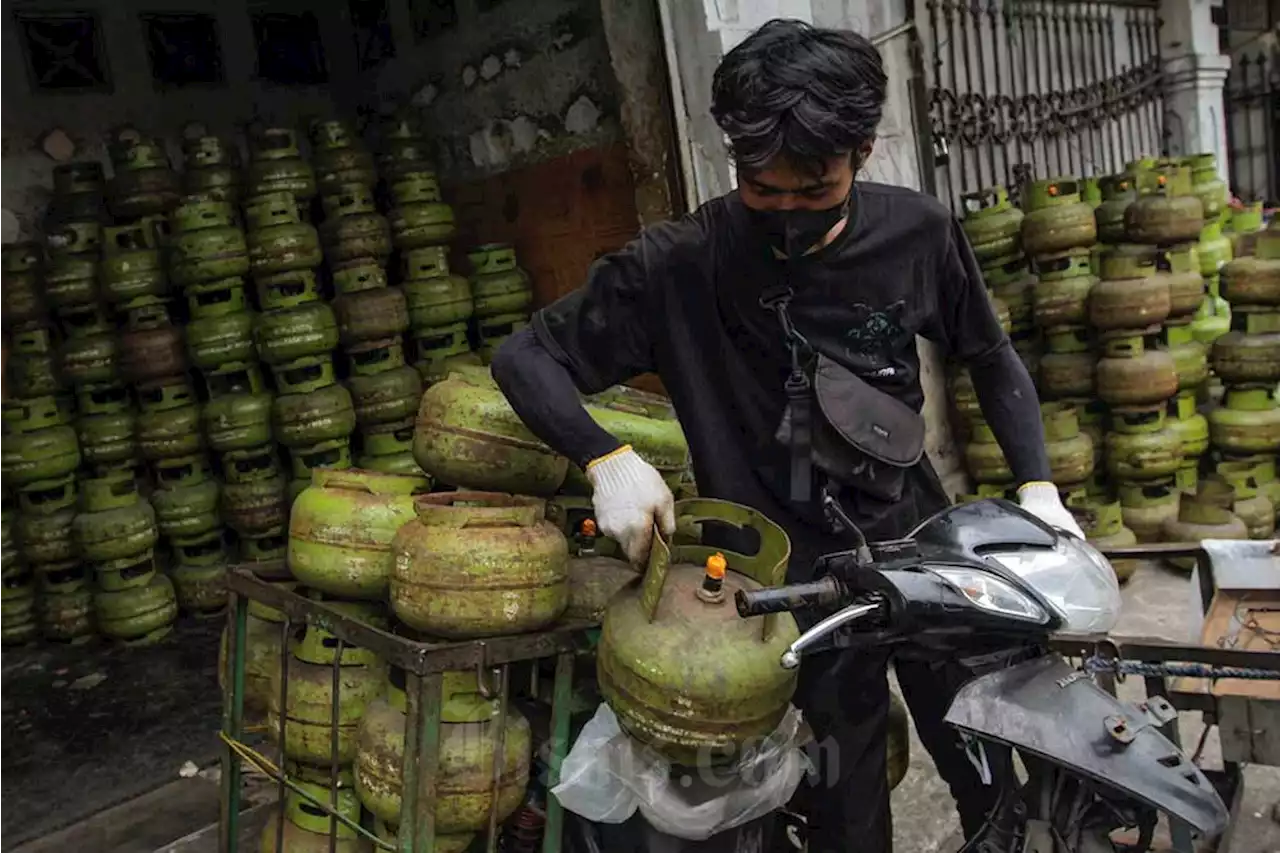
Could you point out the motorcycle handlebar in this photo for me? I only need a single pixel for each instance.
(797, 596)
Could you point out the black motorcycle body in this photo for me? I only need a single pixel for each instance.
(1093, 765)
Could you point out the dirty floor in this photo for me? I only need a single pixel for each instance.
(87, 727)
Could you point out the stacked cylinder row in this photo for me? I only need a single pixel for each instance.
(152, 333)
(1113, 297)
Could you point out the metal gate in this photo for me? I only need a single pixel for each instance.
(1253, 126)
(1024, 89)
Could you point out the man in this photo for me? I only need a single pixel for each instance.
(731, 307)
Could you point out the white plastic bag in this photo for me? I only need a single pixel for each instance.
(607, 776)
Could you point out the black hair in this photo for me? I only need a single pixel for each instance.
(794, 90)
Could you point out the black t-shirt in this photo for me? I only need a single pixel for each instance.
(682, 301)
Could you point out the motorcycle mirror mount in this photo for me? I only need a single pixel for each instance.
(839, 519)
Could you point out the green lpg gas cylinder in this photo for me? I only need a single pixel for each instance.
(279, 241)
(388, 448)
(677, 641)
(221, 327)
(1165, 211)
(253, 494)
(1057, 218)
(115, 522)
(371, 315)
(138, 615)
(1248, 422)
(340, 158)
(420, 216)
(644, 421)
(992, 224)
(353, 229)
(498, 285)
(436, 297)
(341, 527)
(208, 244)
(276, 166)
(238, 414)
(211, 169)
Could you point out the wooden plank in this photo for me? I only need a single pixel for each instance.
(1245, 620)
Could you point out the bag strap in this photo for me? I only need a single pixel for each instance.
(798, 387)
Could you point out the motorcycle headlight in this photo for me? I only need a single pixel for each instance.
(1074, 578)
(992, 593)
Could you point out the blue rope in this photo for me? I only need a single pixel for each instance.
(1189, 670)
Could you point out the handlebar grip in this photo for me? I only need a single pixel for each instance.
(781, 599)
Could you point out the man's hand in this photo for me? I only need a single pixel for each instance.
(629, 499)
(1042, 501)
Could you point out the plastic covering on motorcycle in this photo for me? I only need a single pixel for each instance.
(1054, 711)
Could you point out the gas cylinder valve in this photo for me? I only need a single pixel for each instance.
(712, 589)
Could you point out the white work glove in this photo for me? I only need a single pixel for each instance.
(629, 499)
(1042, 500)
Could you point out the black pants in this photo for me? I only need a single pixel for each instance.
(844, 695)
(845, 698)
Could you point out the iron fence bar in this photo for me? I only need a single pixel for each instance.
(957, 99)
(232, 723)
(1004, 129)
(1060, 94)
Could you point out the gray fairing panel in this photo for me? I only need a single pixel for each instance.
(1049, 709)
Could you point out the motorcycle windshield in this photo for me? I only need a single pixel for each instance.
(1051, 710)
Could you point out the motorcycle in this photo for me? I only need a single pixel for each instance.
(990, 572)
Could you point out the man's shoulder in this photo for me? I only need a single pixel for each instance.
(902, 214)
(696, 228)
(904, 200)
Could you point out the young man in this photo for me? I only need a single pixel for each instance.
(732, 307)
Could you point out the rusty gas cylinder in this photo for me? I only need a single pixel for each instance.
(276, 165)
(1165, 211)
(468, 436)
(477, 564)
(341, 527)
(682, 644)
(992, 224)
(151, 345)
(353, 228)
(1133, 293)
(1057, 218)
(1067, 369)
(1132, 374)
(1061, 295)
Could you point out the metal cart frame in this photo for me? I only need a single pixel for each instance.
(424, 665)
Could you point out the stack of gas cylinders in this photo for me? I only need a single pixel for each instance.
(197, 332)
(1130, 296)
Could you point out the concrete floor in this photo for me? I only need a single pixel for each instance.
(1156, 604)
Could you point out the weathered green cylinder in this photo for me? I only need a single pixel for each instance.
(65, 607)
(1165, 211)
(341, 527)
(279, 241)
(498, 286)
(221, 327)
(1103, 527)
(1190, 357)
(18, 623)
(470, 733)
(139, 615)
(106, 426)
(340, 158)
(1206, 514)
(253, 494)
(371, 315)
(1247, 423)
(1118, 192)
(315, 416)
(40, 454)
(392, 395)
(475, 564)
(436, 297)
(443, 350)
(306, 828)
(1133, 292)
(46, 539)
(21, 296)
(115, 522)
(673, 642)
(1146, 506)
(353, 228)
(420, 216)
(1070, 450)
(1214, 249)
(238, 414)
(190, 509)
(131, 265)
(207, 245)
(144, 183)
(468, 436)
(1061, 296)
(992, 224)
(1186, 283)
(1132, 374)
(1250, 351)
(1067, 369)
(308, 729)
(46, 497)
(169, 424)
(211, 169)
(292, 333)
(199, 578)
(1152, 452)
(1206, 185)
(1056, 219)
(644, 421)
(276, 165)
(389, 449)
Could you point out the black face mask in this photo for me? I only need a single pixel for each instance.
(794, 232)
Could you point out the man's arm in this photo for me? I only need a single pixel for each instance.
(541, 391)
(971, 333)
(593, 338)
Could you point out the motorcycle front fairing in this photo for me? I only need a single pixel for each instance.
(1048, 709)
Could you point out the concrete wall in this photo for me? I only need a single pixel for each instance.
(84, 118)
(509, 86)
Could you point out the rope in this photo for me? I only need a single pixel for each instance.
(1143, 669)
